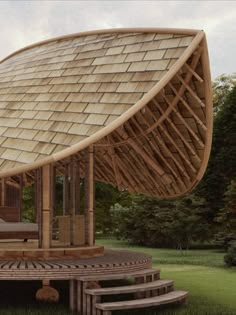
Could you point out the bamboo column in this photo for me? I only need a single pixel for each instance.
(66, 190)
(46, 206)
(72, 200)
(77, 187)
(52, 198)
(89, 194)
(3, 192)
(20, 201)
(38, 201)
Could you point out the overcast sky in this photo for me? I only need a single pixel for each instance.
(26, 22)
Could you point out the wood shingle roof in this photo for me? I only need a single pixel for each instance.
(64, 92)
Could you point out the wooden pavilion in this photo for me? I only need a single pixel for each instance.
(129, 107)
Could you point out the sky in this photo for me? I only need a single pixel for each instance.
(26, 22)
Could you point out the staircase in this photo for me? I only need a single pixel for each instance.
(147, 291)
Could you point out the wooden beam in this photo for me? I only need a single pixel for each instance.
(195, 60)
(106, 165)
(188, 107)
(149, 160)
(150, 138)
(177, 113)
(126, 165)
(193, 72)
(191, 91)
(190, 148)
(101, 175)
(169, 137)
(147, 154)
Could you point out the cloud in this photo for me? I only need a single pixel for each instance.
(26, 22)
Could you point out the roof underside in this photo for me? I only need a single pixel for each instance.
(55, 95)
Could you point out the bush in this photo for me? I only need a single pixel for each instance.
(230, 257)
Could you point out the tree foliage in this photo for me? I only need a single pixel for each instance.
(221, 167)
(226, 217)
(221, 87)
(162, 222)
(230, 257)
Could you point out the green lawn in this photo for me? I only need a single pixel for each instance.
(212, 287)
(211, 258)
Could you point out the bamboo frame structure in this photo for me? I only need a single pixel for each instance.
(174, 139)
(129, 107)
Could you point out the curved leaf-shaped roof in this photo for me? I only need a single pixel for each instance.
(140, 96)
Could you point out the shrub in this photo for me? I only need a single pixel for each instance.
(230, 257)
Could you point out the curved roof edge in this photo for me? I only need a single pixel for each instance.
(104, 31)
(199, 36)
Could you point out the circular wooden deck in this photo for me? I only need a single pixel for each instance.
(65, 269)
(30, 253)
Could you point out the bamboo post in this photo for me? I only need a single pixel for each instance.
(38, 202)
(36, 196)
(73, 294)
(3, 192)
(77, 188)
(72, 200)
(66, 191)
(52, 197)
(46, 206)
(89, 194)
(21, 195)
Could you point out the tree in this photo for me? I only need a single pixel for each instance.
(221, 87)
(107, 196)
(28, 213)
(221, 167)
(188, 222)
(162, 222)
(227, 216)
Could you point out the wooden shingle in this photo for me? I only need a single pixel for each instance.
(114, 68)
(95, 119)
(155, 55)
(27, 145)
(10, 154)
(27, 157)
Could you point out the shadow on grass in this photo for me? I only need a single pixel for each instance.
(18, 298)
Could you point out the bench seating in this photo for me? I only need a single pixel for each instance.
(18, 230)
(171, 297)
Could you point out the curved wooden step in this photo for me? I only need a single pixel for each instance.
(142, 287)
(171, 297)
(120, 276)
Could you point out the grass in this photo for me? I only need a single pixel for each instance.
(211, 258)
(212, 287)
